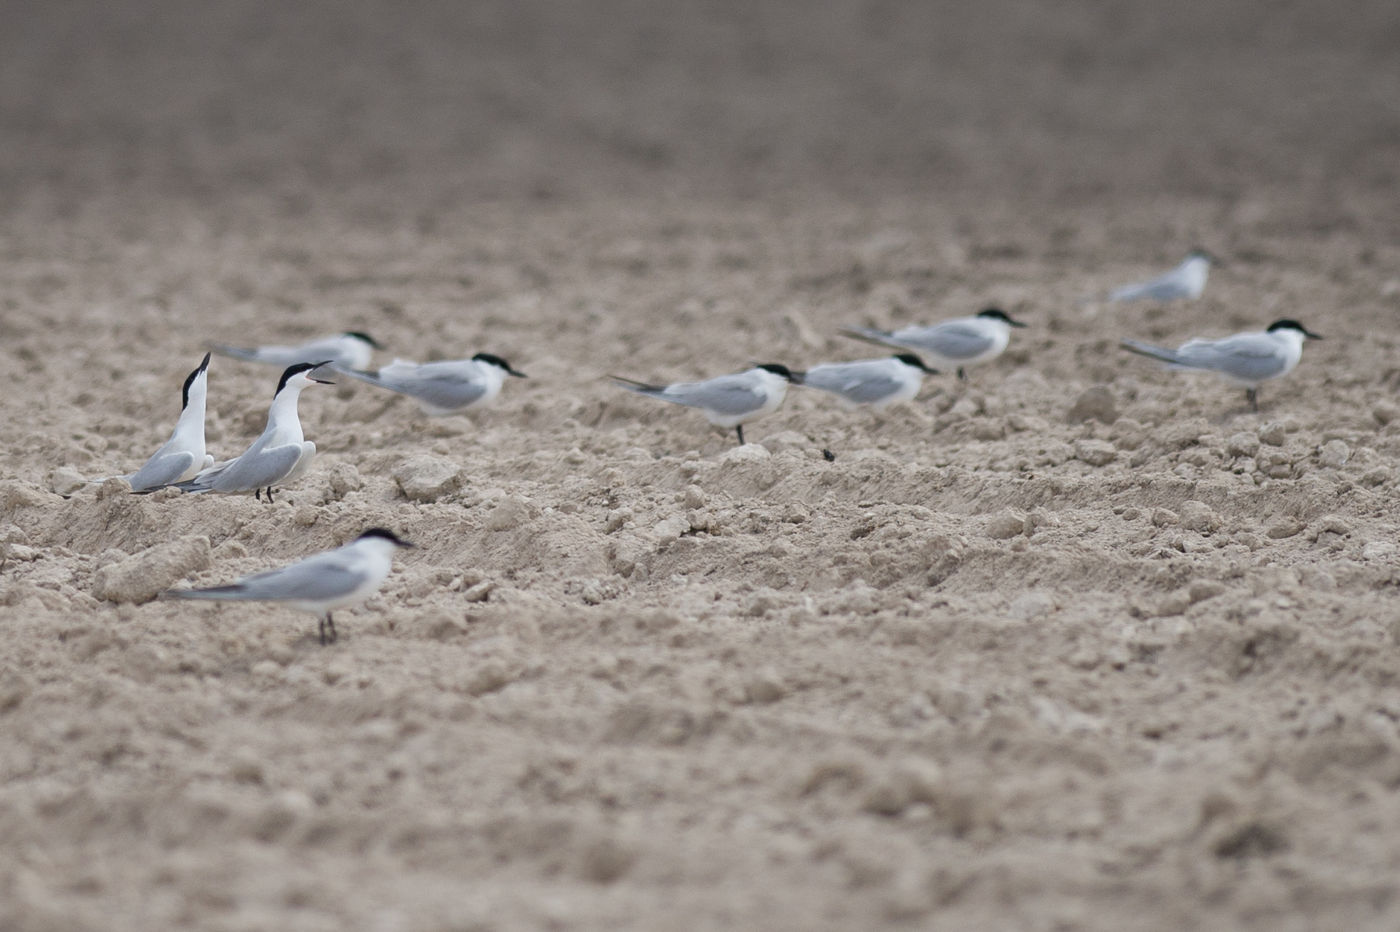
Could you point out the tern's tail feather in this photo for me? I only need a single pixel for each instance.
(869, 335)
(361, 374)
(643, 388)
(237, 352)
(213, 592)
(1160, 353)
(197, 484)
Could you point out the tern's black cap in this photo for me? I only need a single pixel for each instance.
(996, 313)
(189, 380)
(385, 534)
(363, 337)
(499, 362)
(298, 368)
(909, 359)
(1288, 323)
(778, 368)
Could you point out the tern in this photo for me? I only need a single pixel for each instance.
(350, 350)
(318, 584)
(277, 457)
(873, 382)
(1186, 281)
(442, 388)
(1246, 359)
(727, 400)
(183, 455)
(951, 344)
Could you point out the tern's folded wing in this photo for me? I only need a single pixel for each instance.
(870, 389)
(162, 469)
(320, 578)
(1167, 287)
(439, 389)
(1244, 356)
(725, 395)
(255, 469)
(953, 339)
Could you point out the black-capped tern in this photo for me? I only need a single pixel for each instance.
(350, 350)
(318, 584)
(950, 344)
(727, 400)
(442, 388)
(872, 382)
(1246, 359)
(183, 455)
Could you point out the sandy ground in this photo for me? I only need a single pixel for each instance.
(1079, 644)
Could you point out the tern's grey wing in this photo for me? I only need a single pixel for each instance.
(161, 469)
(871, 335)
(953, 340)
(1244, 356)
(236, 352)
(726, 395)
(440, 390)
(859, 382)
(1166, 287)
(256, 469)
(321, 578)
(369, 377)
(870, 389)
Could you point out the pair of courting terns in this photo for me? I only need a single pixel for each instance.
(318, 584)
(280, 455)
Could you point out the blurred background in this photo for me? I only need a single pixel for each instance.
(448, 103)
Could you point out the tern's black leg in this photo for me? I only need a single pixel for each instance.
(325, 629)
(330, 626)
(740, 429)
(962, 374)
(257, 494)
(1253, 395)
(269, 493)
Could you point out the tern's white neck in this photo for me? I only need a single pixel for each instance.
(377, 548)
(192, 417)
(354, 352)
(493, 376)
(771, 380)
(282, 416)
(1194, 270)
(1289, 338)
